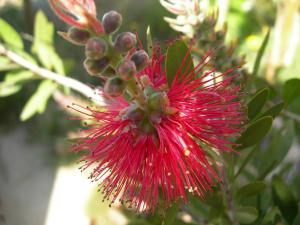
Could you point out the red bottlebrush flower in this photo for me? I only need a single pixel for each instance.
(140, 153)
(79, 13)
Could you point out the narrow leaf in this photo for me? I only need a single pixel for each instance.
(10, 36)
(257, 102)
(246, 215)
(284, 199)
(43, 44)
(6, 64)
(38, 101)
(178, 61)
(260, 53)
(255, 132)
(18, 76)
(7, 90)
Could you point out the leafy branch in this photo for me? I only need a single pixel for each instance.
(47, 74)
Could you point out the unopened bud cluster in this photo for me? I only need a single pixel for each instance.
(110, 56)
(113, 57)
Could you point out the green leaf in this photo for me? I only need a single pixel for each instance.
(10, 36)
(7, 90)
(6, 64)
(43, 44)
(249, 190)
(38, 101)
(281, 141)
(178, 61)
(138, 222)
(149, 41)
(284, 199)
(260, 53)
(257, 102)
(255, 132)
(170, 214)
(297, 219)
(11, 83)
(274, 110)
(270, 216)
(291, 90)
(246, 214)
(18, 76)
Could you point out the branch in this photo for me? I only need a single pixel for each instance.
(292, 115)
(60, 79)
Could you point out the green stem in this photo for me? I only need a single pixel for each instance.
(244, 163)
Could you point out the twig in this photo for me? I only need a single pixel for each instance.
(228, 196)
(60, 79)
(291, 115)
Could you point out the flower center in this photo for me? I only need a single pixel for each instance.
(147, 113)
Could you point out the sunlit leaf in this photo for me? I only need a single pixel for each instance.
(7, 90)
(255, 132)
(257, 102)
(6, 64)
(246, 215)
(38, 101)
(10, 36)
(43, 44)
(179, 61)
(18, 76)
(284, 199)
(260, 54)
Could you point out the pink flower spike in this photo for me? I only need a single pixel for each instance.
(138, 156)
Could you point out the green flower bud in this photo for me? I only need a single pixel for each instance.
(96, 48)
(158, 101)
(78, 36)
(141, 59)
(109, 72)
(96, 67)
(125, 41)
(133, 113)
(112, 21)
(114, 86)
(126, 69)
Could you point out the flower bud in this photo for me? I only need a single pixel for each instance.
(125, 41)
(158, 101)
(109, 72)
(126, 69)
(96, 67)
(141, 59)
(133, 113)
(114, 86)
(95, 48)
(111, 21)
(78, 36)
